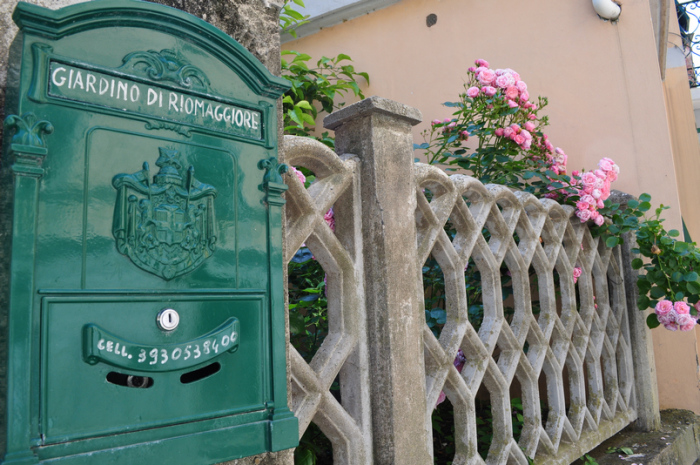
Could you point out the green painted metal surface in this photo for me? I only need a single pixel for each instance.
(146, 318)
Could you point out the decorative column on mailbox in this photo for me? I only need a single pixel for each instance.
(142, 252)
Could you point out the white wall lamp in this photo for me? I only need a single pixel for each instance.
(607, 9)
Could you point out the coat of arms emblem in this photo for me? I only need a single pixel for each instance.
(166, 225)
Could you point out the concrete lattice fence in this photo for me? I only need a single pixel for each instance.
(576, 355)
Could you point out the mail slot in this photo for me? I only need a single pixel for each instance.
(146, 309)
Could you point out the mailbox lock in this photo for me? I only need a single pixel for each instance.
(168, 319)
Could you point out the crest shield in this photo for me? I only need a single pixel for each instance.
(165, 225)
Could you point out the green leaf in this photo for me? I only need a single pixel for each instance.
(692, 276)
(653, 321)
(645, 198)
(297, 325)
(693, 287)
(304, 104)
(439, 315)
(611, 241)
(644, 206)
(677, 276)
(680, 247)
(637, 263)
(308, 119)
(674, 233)
(643, 285)
(642, 302)
(304, 457)
(657, 292)
(632, 203)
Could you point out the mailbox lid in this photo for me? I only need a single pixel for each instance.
(83, 397)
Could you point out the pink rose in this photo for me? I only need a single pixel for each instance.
(519, 139)
(300, 176)
(671, 326)
(668, 318)
(511, 92)
(506, 80)
(481, 62)
(330, 219)
(472, 92)
(686, 322)
(600, 203)
(446, 120)
(486, 77)
(499, 132)
(605, 164)
(531, 116)
(522, 87)
(435, 121)
(588, 199)
(584, 215)
(575, 173)
(530, 126)
(589, 178)
(600, 220)
(681, 308)
(525, 96)
(460, 360)
(577, 273)
(596, 193)
(489, 91)
(441, 398)
(697, 306)
(512, 104)
(507, 132)
(471, 69)
(513, 73)
(664, 307)
(526, 134)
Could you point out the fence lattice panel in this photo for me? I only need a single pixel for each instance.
(582, 339)
(572, 356)
(343, 352)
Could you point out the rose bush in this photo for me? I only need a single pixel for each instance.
(496, 134)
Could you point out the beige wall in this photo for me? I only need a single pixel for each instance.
(602, 78)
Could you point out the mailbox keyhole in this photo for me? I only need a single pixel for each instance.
(121, 379)
(204, 372)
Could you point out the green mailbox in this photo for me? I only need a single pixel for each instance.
(142, 241)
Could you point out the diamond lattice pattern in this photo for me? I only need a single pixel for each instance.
(572, 355)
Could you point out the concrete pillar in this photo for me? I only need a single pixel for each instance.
(378, 131)
(646, 388)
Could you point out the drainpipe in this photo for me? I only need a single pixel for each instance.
(607, 9)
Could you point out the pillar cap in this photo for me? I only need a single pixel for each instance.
(370, 106)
